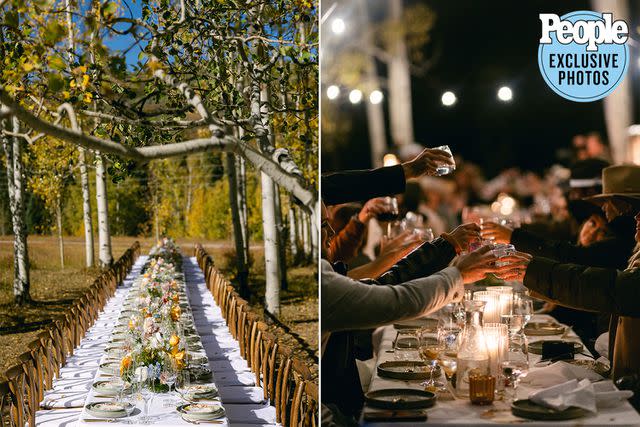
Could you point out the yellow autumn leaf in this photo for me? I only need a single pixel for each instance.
(82, 68)
(72, 83)
(88, 97)
(66, 94)
(85, 80)
(28, 66)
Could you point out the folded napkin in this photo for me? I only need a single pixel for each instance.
(71, 399)
(571, 393)
(557, 373)
(582, 394)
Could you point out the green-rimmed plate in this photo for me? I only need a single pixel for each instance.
(400, 398)
(200, 391)
(201, 411)
(536, 347)
(199, 373)
(406, 370)
(110, 367)
(107, 409)
(109, 388)
(539, 329)
(527, 409)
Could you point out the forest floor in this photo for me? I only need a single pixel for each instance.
(54, 288)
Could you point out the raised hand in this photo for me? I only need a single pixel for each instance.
(426, 163)
(476, 265)
(373, 208)
(462, 236)
(493, 230)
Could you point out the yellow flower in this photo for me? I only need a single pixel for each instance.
(125, 363)
(175, 313)
(174, 340)
(179, 358)
(88, 96)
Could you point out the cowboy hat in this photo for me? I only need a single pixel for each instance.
(621, 181)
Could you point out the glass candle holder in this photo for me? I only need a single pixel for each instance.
(492, 306)
(496, 336)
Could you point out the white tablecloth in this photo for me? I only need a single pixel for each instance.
(462, 412)
(243, 402)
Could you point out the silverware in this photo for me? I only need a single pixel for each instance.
(204, 421)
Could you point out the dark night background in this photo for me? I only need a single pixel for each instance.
(485, 45)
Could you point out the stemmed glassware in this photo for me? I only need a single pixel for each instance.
(169, 375)
(391, 215)
(522, 305)
(430, 350)
(515, 366)
(448, 334)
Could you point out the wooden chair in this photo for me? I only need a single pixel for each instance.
(311, 409)
(298, 409)
(256, 350)
(31, 387)
(283, 361)
(268, 353)
(17, 393)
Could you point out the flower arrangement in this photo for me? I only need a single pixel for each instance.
(153, 334)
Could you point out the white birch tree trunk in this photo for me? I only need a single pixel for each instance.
(104, 235)
(238, 235)
(15, 185)
(82, 161)
(86, 209)
(271, 253)
(293, 238)
(270, 232)
(242, 201)
(59, 229)
(400, 113)
(306, 239)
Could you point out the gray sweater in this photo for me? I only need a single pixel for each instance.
(348, 304)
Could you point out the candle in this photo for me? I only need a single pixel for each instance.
(492, 306)
(506, 298)
(496, 337)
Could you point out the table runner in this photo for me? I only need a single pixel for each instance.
(243, 402)
(462, 412)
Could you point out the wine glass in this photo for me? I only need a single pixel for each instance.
(169, 375)
(183, 383)
(145, 386)
(390, 215)
(522, 305)
(430, 350)
(514, 322)
(515, 366)
(448, 357)
(406, 345)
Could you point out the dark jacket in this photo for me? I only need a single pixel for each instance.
(356, 185)
(339, 375)
(613, 252)
(604, 290)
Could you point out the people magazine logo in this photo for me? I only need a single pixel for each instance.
(583, 55)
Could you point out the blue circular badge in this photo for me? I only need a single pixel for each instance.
(582, 72)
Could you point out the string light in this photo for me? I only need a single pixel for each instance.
(355, 96)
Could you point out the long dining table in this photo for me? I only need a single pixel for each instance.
(454, 411)
(243, 402)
